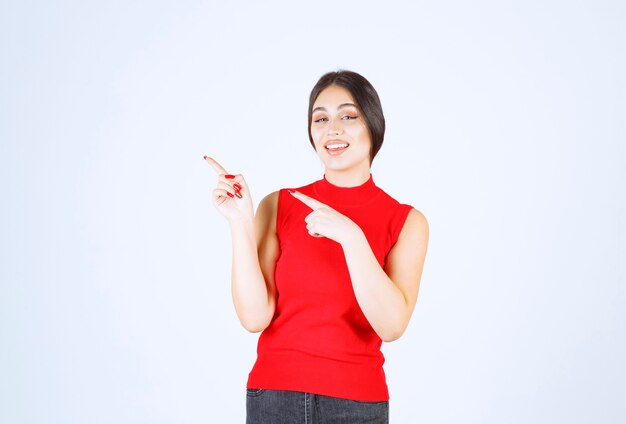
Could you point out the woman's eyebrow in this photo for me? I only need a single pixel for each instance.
(340, 106)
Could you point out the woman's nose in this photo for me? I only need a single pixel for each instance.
(334, 127)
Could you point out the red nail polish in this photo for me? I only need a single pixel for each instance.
(291, 191)
(204, 156)
(237, 186)
(229, 176)
(238, 194)
(230, 194)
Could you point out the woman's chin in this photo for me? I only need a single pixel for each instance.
(335, 166)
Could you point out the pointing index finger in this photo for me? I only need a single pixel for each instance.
(307, 200)
(216, 166)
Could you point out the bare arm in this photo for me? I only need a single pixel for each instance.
(388, 297)
(254, 248)
(255, 251)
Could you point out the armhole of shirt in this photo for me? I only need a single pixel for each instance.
(398, 221)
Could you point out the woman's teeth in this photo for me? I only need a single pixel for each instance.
(336, 146)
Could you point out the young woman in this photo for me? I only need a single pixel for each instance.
(327, 271)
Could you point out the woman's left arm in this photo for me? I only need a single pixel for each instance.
(387, 297)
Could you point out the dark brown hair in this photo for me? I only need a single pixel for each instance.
(366, 99)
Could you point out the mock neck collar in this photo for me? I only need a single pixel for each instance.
(347, 196)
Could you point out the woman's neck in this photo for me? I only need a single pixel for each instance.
(351, 178)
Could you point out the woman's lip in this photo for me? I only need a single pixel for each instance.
(336, 152)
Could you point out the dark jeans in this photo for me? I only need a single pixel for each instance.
(287, 407)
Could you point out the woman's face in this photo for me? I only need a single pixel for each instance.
(339, 131)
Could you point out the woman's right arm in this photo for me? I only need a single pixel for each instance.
(255, 251)
(255, 248)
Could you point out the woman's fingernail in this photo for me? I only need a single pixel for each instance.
(229, 176)
(238, 194)
(237, 186)
(230, 194)
(205, 157)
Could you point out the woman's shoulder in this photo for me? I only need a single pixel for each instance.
(416, 217)
(406, 213)
(270, 202)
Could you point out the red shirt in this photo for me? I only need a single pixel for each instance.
(319, 341)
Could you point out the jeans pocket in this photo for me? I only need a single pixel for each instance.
(254, 392)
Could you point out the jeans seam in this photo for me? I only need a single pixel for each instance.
(317, 408)
(254, 392)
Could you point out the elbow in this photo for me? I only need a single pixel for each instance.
(391, 336)
(255, 325)
(393, 333)
(254, 320)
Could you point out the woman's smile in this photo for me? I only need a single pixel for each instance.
(336, 147)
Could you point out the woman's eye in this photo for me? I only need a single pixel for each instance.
(319, 120)
(348, 117)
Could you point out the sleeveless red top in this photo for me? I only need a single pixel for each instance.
(319, 341)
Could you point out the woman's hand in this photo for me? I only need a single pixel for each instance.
(231, 197)
(325, 221)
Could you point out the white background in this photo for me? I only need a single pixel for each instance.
(506, 128)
